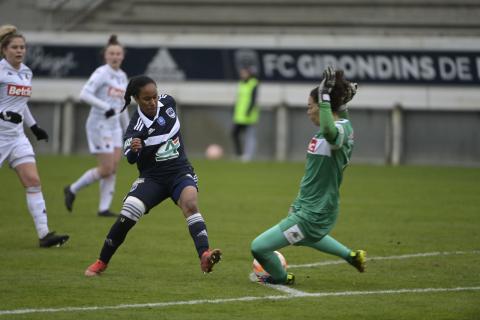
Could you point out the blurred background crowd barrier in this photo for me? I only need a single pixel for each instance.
(417, 64)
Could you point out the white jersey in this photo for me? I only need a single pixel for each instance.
(104, 90)
(15, 90)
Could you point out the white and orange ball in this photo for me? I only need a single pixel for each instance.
(214, 152)
(260, 272)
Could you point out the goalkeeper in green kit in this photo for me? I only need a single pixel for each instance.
(314, 212)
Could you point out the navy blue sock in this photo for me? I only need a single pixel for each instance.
(198, 231)
(115, 237)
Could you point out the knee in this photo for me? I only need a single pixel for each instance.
(256, 248)
(31, 180)
(133, 208)
(190, 207)
(106, 170)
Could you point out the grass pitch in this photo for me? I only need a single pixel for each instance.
(387, 211)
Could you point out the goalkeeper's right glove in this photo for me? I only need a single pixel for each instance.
(327, 84)
(11, 116)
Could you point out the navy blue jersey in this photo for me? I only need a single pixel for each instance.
(163, 152)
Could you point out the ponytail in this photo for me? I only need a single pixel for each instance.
(133, 88)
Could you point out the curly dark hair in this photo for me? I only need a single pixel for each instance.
(339, 91)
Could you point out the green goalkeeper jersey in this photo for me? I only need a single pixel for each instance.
(319, 188)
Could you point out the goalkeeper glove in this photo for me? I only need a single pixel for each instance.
(326, 85)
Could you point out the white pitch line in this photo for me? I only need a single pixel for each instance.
(240, 299)
(399, 257)
(286, 289)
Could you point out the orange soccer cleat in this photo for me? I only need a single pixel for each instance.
(209, 259)
(95, 269)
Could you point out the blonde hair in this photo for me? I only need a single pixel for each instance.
(7, 33)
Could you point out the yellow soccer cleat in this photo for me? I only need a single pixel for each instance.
(358, 259)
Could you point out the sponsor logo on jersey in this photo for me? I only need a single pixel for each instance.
(319, 146)
(171, 113)
(151, 130)
(19, 90)
(312, 145)
(161, 121)
(168, 150)
(115, 92)
(127, 143)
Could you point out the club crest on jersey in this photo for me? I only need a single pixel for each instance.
(161, 121)
(19, 90)
(171, 112)
(168, 150)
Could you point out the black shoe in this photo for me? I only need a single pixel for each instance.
(51, 239)
(107, 213)
(69, 198)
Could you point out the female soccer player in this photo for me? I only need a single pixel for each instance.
(15, 90)
(104, 92)
(314, 211)
(154, 143)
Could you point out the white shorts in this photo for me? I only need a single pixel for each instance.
(103, 139)
(16, 151)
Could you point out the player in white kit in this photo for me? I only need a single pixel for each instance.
(104, 91)
(15, 90)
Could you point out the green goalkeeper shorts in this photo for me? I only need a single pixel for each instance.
(300, 226)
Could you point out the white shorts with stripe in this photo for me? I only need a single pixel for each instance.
(102, 138)
(16, 151)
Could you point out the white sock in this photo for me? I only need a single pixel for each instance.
(36, 206)
(89, 177)
(107, 188)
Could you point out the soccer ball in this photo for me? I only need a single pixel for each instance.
(214, 152)
(260, 272)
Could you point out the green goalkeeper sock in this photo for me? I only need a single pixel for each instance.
(263, 248)
(329, 245)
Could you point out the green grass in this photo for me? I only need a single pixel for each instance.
(385, 210)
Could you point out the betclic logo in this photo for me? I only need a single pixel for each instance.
(19, 91)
